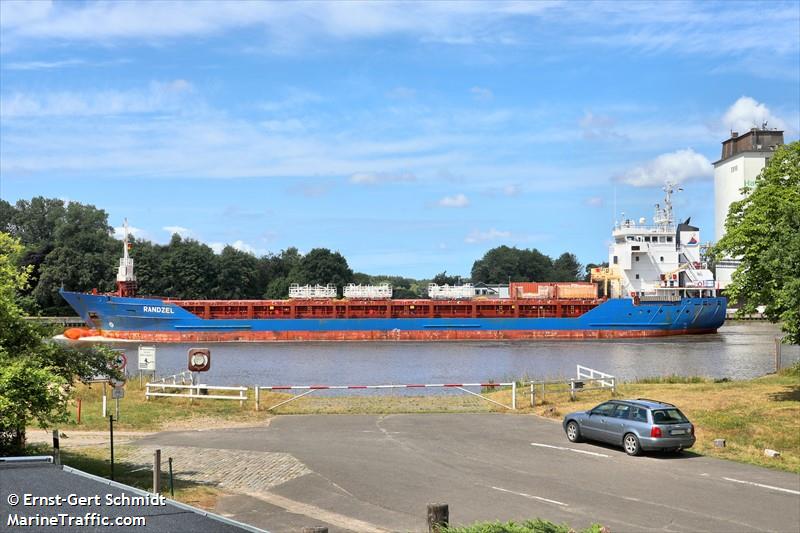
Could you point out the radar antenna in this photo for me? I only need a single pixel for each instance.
(663, 217)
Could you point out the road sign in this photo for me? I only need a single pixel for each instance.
(120, 360)
(147, 358)
(199, 359)
(118, 391)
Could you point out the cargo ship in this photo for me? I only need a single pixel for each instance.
(655, 285)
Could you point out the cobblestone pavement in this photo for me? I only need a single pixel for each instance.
(230, 469)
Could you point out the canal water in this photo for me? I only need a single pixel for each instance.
(740, 350)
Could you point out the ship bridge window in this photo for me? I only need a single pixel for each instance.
(637, 258)
(616, 260)
(662, 258)
(637, 275)
(669, 239)
(647, 239)
(636, 249)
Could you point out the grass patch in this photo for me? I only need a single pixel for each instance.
(672, 378)
(96, 460)
(750, 415)
(528, 526)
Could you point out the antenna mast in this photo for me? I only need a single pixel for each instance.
(126, 279)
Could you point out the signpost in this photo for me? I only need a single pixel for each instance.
(199, 361)
(117, 392)
(147, 361)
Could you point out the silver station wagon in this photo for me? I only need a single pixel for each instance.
(636, 425)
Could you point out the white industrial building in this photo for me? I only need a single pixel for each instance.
(743, 159)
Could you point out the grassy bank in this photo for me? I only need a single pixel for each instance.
(751, 414)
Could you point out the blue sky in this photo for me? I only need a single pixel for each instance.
(411, 137)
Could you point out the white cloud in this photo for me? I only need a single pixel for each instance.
(513, 189)
(456, 200)
(374, 178)
(493, 234)
(119, 232)
(677, 167)
(598, 126)
(159, 96)
(747, 113)
(594, 201)
(217, 247)
(481, 94)
(180, 230)
(244, 247)
(401, 93)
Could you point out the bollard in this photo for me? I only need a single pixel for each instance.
(157, 472)
(111, 439)
(258, 396)
(56, 448)
(78, 407)
(171, 484)
(315, 529)
(438, 516)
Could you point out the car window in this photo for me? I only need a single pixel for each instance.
(605, 409)
(639, 414)
(668, 416)
(622, 411)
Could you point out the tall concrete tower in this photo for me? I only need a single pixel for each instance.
(743, 158)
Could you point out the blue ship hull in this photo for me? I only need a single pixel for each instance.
(157, 320)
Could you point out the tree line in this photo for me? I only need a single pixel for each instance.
(71, 245)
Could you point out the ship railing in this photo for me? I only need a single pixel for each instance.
(587, 379)
(308, 389)
(196, 392)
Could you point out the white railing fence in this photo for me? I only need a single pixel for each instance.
(195, 392)
(597, 381)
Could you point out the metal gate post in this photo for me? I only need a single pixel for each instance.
(514, 395)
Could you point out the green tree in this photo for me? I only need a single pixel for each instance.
(83, 256)
(504, 264)
(321, 266)
(238, 275)
(442, 278)
(36, 376)
(190, 269)
(763, 230)
(567, 268)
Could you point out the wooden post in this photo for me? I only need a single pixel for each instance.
(157, 472)
(111, 438)
(438, 516)
(777, 354)
(78, 407)
(56, 448)
(258, 396)
(105, 401)
(572, 389)
(533, 395)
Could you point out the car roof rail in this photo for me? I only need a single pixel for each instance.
(655, 401)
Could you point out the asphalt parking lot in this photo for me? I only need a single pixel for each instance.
(378, 473)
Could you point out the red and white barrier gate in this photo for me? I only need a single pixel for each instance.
(460, 386)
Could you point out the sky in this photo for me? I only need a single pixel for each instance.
(410, 137)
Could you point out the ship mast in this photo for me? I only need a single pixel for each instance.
(663, 217)
(126, 279)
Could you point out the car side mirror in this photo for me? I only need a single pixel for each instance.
(590, 412)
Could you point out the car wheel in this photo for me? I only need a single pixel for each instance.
(573, 431)
(631, 444)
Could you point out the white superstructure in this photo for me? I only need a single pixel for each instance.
(658, 260)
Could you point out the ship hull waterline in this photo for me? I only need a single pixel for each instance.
(154, 320)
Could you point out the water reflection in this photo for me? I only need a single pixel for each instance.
(740, 350)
